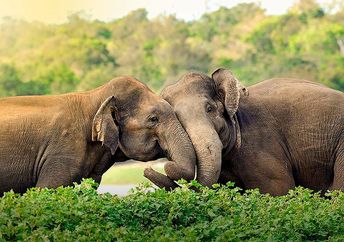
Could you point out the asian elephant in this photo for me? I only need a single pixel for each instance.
(274, 135)
(50, 141)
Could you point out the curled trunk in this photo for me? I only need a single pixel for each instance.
(208, 147)
(178, 146)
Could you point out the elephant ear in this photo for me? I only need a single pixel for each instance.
(104, 128)
(228, 89)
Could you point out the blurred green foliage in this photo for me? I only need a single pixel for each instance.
(307, 42)
(127, 174)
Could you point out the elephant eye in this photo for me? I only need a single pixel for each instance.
(209, 109)
(153, 119)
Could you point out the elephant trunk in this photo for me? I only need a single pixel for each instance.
(208, 148)
(178, 146)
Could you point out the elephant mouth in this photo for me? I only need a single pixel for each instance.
(167, 154)
(160, 153)
(164, 152)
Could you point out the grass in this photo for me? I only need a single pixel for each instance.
(129, 173)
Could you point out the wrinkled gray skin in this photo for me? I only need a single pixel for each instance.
(285, 133)
(49, 141)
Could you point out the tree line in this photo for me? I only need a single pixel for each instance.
(307, 42)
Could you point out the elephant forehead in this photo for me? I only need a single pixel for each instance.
(150, 100)
(194, 82)
(139, 97)
(157, 106)
(132, 99)
(189, 106)
(190, 84)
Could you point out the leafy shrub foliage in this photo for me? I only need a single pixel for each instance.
(224, 213)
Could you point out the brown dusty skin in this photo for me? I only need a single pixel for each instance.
(52, 141)
(289, 132)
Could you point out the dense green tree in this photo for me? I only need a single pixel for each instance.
(9, 80)
(306, 42)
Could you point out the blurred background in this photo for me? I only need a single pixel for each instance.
(52, 47)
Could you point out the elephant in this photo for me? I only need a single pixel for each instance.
(52, 141)
(274, 135)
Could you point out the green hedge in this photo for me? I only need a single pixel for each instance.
(221, 214)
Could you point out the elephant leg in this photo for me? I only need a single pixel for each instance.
(58, 173)
(227, 176)
(101, 167)
(270, 175)
(277, 187)
(338, 172)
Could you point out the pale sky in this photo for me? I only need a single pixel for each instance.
(56, 11)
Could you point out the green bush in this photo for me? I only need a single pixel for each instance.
(221, 214)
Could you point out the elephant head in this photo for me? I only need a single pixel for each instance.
(207, 108)
(142, 126)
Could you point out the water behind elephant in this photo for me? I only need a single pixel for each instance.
(122, 177)
(120, 190)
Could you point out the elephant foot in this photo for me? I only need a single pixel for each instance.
(159, 179)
